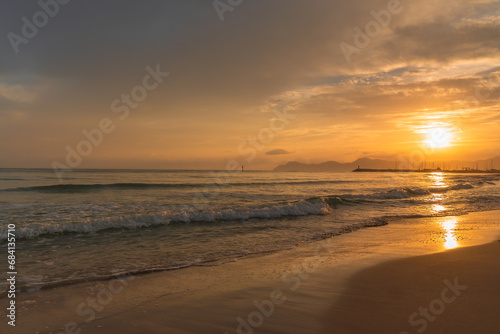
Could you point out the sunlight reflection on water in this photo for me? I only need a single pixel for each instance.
(450, 237)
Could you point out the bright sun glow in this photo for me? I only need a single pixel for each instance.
(450, 238)
(438, 137)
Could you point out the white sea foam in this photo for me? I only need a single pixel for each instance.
(300, 208)
(415, 192)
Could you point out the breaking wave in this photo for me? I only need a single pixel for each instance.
(294, 209)
(78, 188)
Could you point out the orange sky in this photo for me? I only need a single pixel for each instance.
(430, 74)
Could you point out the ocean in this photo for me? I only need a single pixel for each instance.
(96, 224)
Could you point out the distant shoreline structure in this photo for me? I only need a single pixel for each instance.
(380, 165)
(438, 170)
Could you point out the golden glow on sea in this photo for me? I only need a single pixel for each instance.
(450, 237)
(438, 208)
(437, 180)
(448, 224)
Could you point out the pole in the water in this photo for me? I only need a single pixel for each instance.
(242, 168)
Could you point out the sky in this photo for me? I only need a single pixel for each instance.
(196, 84)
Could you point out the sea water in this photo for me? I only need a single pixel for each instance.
(95, 224)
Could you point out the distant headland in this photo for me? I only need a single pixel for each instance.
(380, 165)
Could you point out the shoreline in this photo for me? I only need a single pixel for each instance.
(208, 263)
(450, 292)
(219, 296)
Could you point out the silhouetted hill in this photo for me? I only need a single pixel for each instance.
(334, 166)
(368, 163)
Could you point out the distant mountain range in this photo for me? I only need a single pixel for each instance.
(369, 163)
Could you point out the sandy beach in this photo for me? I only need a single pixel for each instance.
(245, 167)
(367, 281)
(450, 292)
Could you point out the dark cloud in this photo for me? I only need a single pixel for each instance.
(224, 74)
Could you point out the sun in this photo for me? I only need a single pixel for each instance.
(438, 137)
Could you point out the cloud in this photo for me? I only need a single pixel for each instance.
(278, 151)
(227, 77)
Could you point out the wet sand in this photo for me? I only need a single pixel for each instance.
(451, 292)
(368, 281)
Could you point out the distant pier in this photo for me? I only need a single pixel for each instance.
(460, 171)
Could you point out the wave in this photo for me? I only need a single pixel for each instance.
(294, 209)
(416, 192)
(35, 284)
(312, 206)
(460, 186)
(484, 202)
(76, 188)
